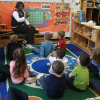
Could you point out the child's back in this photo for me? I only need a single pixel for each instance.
(80, 74)
(46, 48)
(61, 42)
(56, 86)
(81, 80)
(12, 46)
(59, 56)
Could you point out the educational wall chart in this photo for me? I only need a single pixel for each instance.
(43, 19)
(36, 17)
(62, 15)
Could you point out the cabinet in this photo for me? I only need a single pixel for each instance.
(88, 10)
(85, 36)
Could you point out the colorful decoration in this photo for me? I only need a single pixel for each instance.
(47, 14)
(62, 1)
(62, 15)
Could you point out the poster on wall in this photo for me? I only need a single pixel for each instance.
(48, 14)
(62, 15)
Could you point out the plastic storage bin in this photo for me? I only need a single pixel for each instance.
(89, 4)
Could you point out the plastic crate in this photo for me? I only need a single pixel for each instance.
(89, 4)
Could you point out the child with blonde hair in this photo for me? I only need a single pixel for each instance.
(13, 45)
(46, 46)
(19, 70)
(94, 66)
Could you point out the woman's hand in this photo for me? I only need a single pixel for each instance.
(29, 25)
(27, 15)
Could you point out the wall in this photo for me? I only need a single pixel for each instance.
(66, 1)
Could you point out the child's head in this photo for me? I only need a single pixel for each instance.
(58, 67)
(61, 53)
(61, 34)
(83, 59)
(47, 36)
(20, 62)
(13, 38)
(95, 54)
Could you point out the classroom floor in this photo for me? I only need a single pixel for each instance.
(34, 90)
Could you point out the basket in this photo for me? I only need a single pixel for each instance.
(89, 4)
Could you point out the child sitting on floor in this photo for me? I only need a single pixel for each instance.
(94, 66)
(46, 46)
(13, 45)
(19, 70)
(61, 43)
(79, 77)
(60, 53)
(54, 85)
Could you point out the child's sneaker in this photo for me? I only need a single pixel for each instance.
(39, 75)
(30, 80)
(24, 42)
(29, 46)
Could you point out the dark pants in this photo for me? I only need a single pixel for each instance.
(26, 30)
(93, 69)
(15, 94)
(95, 84)
(69, 81)
(44, 83)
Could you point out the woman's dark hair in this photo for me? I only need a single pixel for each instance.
(20, 62)
(18, 4)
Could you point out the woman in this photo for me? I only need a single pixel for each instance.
(21, 25)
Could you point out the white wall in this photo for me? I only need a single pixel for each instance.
(68, 33)
(66, 1)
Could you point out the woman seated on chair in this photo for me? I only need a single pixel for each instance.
(21, 25)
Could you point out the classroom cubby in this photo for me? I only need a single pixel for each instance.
(88, 36)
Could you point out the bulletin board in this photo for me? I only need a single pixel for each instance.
(47, 15)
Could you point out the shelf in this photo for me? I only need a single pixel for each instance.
(87, 50)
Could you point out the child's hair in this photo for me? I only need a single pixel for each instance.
(58, 67)
(84, 59)
(13, 38)
(96, 55)
(20, 62)
(47, 36)
(19, 3)
(61, 33)
(61, 52)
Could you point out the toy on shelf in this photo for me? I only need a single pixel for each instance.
(94, 35)
(87, 34)
(80, 29)
(82, 18)
(76, 18)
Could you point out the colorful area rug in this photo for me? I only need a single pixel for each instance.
(40, 66)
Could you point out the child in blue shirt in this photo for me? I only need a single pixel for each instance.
(46, 46)
(94, 66)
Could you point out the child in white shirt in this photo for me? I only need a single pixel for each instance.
(60, 53)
